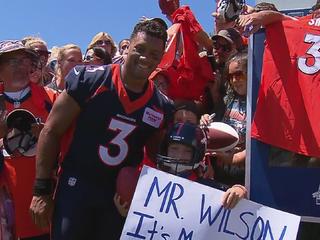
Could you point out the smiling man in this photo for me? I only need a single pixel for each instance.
(111, 112)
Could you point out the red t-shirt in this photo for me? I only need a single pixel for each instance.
(287, 113)
(188, 72)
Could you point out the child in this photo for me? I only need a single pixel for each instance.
(181, 153)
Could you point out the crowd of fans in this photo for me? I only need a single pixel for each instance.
(204, 75)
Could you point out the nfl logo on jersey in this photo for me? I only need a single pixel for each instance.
(316, 195)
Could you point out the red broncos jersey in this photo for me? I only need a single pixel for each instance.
(287, 114)
(19, 171)
(185, 68)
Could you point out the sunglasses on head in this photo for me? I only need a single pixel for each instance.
(103, 42)
(224, 47)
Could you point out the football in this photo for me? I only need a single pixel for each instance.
(126, 183)
(221, 137)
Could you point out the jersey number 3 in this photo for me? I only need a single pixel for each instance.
(123, 129)
(314, 52)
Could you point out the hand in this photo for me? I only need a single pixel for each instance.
(249, 24)
(233, 195)
(205, 120)
(316, 13)
(209, 172)
(123, 209)
(41, 209)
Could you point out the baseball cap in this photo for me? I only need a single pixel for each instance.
(231, 35)
(7, 46)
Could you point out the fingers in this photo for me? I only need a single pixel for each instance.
(41, 209)
(205, 119)
(230, 199)
(123, 209)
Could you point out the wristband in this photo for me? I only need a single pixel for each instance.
(43, 186)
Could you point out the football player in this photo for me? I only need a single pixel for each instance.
(109, 113)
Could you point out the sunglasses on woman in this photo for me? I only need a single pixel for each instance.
(103, 42)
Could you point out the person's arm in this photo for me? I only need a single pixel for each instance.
(237, 158)
(251, 23)
(204, 40)
(64, 111)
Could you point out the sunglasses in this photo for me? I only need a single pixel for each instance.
(103, 42)
(224, 47)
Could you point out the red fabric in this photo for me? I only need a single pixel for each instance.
(147, 161)
(185, 16)
(287, 113)
(52, 94)
(19, 172)
(185, 68)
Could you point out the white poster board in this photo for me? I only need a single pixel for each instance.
(168, 207)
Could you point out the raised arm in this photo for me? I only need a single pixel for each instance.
(251, 23)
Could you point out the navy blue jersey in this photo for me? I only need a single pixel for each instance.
(114, 124)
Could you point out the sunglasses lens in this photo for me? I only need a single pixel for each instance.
(105, 42)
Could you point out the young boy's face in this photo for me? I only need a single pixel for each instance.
(181, 152)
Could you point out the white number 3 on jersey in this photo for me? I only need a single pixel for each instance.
(314, 52)
(123, 129)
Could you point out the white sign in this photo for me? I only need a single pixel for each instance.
(168, 207)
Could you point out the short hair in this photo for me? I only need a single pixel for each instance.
(152, 28)
(263, 6)
(125, 39)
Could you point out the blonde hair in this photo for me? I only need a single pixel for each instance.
(100, 36)
(29, 41)
(62, 50)
(61, 55)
